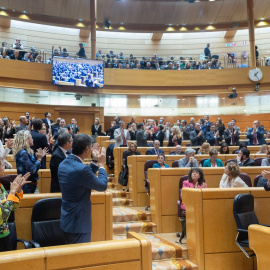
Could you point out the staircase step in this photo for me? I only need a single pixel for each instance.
(119, 193)
(138, 227)
(172, 265)
(125, 214)
(112, 185)
(163, 249)
(122, 202)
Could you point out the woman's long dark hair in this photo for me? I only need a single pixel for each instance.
(221, 148)
(200, 171)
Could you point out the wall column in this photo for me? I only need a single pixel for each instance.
(93, 18)
(251, 28)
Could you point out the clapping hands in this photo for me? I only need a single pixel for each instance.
(41, 153)
(99, 154)
(16, 185)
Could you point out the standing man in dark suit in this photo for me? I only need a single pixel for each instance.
(47, 121)
(40, 140)
(81, 52)
(141, 136)
(207, 51)
(197, 136)
(231, 135)
(56, 126)
(64, 145)
(74, 126)
(155, 150)
(159, 135)
(213, 137)
(76, 182)
(256, 134)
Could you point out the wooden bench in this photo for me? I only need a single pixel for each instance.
(133, 253)
(136, 173)
(101, 215)
(164, 192)
(211, 228)
(259, 242)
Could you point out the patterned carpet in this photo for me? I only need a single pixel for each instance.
(165, 254)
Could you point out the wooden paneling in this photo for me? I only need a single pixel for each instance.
(84, 115)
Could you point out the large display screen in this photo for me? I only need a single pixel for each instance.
(78, 72)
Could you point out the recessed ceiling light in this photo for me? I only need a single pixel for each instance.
(223, 98)
(122, 23)
(262, 19)
(24, 12)
(3, 8)
(80, 20)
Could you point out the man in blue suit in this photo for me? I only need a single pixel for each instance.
(76, 181)
(213, 137)
(256, 134)
(155, 150)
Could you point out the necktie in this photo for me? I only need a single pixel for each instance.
(157, 152)
(255, 138)
(215, 139)
(124, 140)
(233, 141)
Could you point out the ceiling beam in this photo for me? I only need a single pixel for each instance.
(230, 34)
(157, 36)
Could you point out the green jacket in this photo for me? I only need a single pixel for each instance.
(207, 163)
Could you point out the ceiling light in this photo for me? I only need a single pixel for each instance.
(122, 23)
(3, 8)
(178, 99)
(262, 19)
(24, 12)
(80, 20)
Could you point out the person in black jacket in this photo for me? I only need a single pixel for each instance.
(64, 145)
(159, 135)
(96, 128)
(81, 52)
(243, 158)
(231, 135)
(176, 137)
(40, 140)
(133, 132)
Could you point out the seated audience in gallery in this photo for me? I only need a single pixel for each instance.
(175, 137)
(230, 178)
(189, 160)
(161, 162)
(156, 150)
(204, 149)
(178, 151)
(213, 137)
(256, 134)
(231, 135)
(266, 161)
(224, 148)
(197, 136)
(263, 149)
(243, 158)
(213, 161)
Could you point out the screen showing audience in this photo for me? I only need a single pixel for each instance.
(78, 72)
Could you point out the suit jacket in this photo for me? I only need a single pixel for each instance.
(141, 138)
(20, 127)
(249, 162)
(118, 137)
(179, 141)
(93, 129)
(153, 151)
(260, 136)
(211, 139)
(75, 129)
(195, 139)
(206, 127)
(40, 141)
(76, 181)
(55, 129)
(57, 157)
(45, 121)
(159, 137)
(207, 163)
(227, 137)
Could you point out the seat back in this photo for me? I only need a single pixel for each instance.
(7, 179)
(148, 152)
(182, 179)
(46, 222)
(12, 230)
(245, 177)
(175, 164)
(256, 180)
(124, 157)
(229, 160)
(258, 161)
(244, 214)
(174, 153)
(148, 164)
(202, 162)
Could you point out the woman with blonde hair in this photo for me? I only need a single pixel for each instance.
(230, 178)
(176, 137)
(26, 160)
(263, 149)
(205, 149)
(96, 127)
